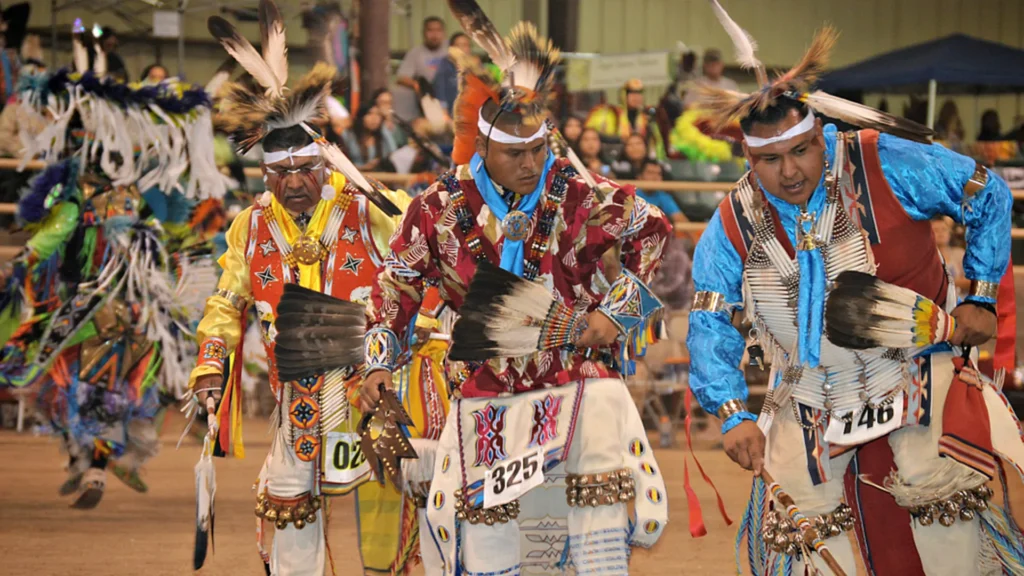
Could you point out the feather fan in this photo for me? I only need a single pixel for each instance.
(272, 37)
(243, 52)
(746, 47)
(480, 28)
(317, 333)
(508, 316)
(864, 312)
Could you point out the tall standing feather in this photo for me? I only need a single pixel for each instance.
(275, 48)
(480, 28)
(867, 117)
(536, 59)
(78, 49)
(243, 51)
(220, 77)
(814, 62)
(336, 158)
(746, 47)
(99, 65)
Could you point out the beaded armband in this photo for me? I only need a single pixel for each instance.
(235, 300)
(630, 304)
(705, 301)
(982, 289)
(212, 352)
(380, 349)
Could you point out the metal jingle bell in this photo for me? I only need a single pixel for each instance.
(280, 524)
(592, 502)
(849, 524)
(981, 506)
(966, 515)
(311, 518)
(781, 540)
(785, 525)
(791, 550)
(301, 510)
(459, 504)
(513, 513)
(842, 513)
(608, 499)
(572, 502)
(598, 491)
(285, 514)
(926, 519)
(315, 503)
(584, 493)
(300, 523)
(950, 507)
(624, 496)
(270, 514)
(489, 519)
(947, 520)
(503, 518)
(834, 530)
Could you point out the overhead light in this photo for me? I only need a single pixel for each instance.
(78, 27)
(96, 31)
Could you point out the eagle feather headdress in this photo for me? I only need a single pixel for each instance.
(527, 63)
(725, 105)
(251, 112)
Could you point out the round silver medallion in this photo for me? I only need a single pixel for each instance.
(516, 226)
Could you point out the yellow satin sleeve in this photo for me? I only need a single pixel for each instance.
(222, 318)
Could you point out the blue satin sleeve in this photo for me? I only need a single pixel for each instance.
(929, 180)
(715, 346)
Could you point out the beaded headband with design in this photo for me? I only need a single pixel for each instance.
(726, 105)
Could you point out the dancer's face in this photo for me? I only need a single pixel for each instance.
(296, 182)
(791, 169)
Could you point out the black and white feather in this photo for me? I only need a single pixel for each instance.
(480, 28)
(867, 117)
(505, 316)
(317, 333)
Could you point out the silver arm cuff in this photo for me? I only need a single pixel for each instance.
(707, 301)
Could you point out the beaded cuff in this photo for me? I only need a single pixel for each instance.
(982, 289)
(705, 301)
(212, 352)
(629, 303)
(380, 349)
(234, 299)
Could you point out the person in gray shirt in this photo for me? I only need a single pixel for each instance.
(419, 62)
(713, 66)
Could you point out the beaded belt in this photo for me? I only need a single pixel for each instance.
(962, 505)
(600, 489)
(783, 536)
(501, 514)
(300, 510)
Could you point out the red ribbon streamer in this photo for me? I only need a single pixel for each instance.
(696, 518)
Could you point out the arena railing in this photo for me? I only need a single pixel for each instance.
(401, 180)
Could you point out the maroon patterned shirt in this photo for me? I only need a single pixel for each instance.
(429, 248)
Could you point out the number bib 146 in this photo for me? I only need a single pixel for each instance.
(866, 425)
(343, 459)
(513, 477)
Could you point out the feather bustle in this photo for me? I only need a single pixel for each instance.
(479, 27)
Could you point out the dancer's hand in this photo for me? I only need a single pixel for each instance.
(601, 331)
(974, 325)
(745, 445)
(209, 381)
(369, 392)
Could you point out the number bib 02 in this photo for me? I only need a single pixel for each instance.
(513, 477)
(868, 424)
(344, 464)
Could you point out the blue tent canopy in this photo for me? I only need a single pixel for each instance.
(958, 63)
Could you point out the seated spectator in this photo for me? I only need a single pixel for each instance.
(653, 171)
(419, 62)
(446, 82)
(990, 127)
(154, 74)
(588, 148)
(634, 153)
(712, 70)
(616, 123)
(384, 101)
(366, 143)
(949, 130)
(571, 131)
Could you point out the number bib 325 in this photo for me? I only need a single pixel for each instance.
(866, 425)
(513, 478)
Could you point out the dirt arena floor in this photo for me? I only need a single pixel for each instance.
(152, 534)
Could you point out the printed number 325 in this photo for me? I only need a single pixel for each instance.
(517, 471)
